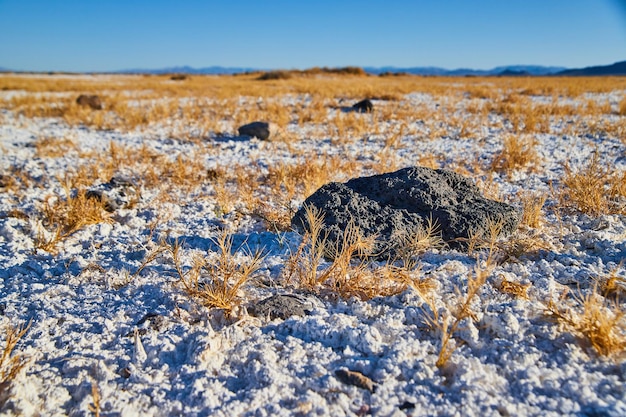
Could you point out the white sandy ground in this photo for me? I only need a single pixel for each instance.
(186, 360)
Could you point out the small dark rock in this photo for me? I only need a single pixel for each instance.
(116, 194)
(178, 77)
(363, 106)
(355, 378)
(92, 101)
(407, 405)
(393, 206)
(282, 306)
(259, 130)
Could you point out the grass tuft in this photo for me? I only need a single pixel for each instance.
(600, 322)
(11, 363)
(217, 279)
(594, 190)
(61, 217)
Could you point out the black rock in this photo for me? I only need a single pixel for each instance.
(363, 106)
(259, 130)
(394, 205)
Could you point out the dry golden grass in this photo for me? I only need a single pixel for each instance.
(448, 323)
(95, 407)
(600, 322)
(61, 216)
(216, 280)
(348, 273)
(198, 104)
(11, 363)
(514, 289)
(532, 204)
(518, 151)
(594, 189)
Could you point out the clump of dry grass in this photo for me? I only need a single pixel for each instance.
(532, 203)
(594, 189)
(11, 363)
(95, 407)
(517, 152)
(449, 323)
(51, 147)
(415, 243)
(63, 216)
(216, 280)
(600, 322)
(348, 273)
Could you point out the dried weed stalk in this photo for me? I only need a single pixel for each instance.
(448, 323)
(65, 216)
(11, 363)
(95, 407)
(599, 321)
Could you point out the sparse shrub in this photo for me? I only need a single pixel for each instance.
(594, 189)
(343, 274)
(217, 279)
(600, 322)
(517, 152)
(531, 209)
(63, 216)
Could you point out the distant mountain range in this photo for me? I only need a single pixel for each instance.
(190, 70)
(504, 70)
(618, 68)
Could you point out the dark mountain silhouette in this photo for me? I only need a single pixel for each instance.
(514, 69)
(618, 68)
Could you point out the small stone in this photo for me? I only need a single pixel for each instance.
(355, 378)
(363, 106)
(282, 306)
(259, 130)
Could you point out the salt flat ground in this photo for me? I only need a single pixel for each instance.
(114, 331)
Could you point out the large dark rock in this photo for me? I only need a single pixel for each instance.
(391, 205)
(363, 106)
(92, 101)
(259, 130)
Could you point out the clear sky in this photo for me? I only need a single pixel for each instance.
(107, 35)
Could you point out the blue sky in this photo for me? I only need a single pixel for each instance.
(90, 35)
